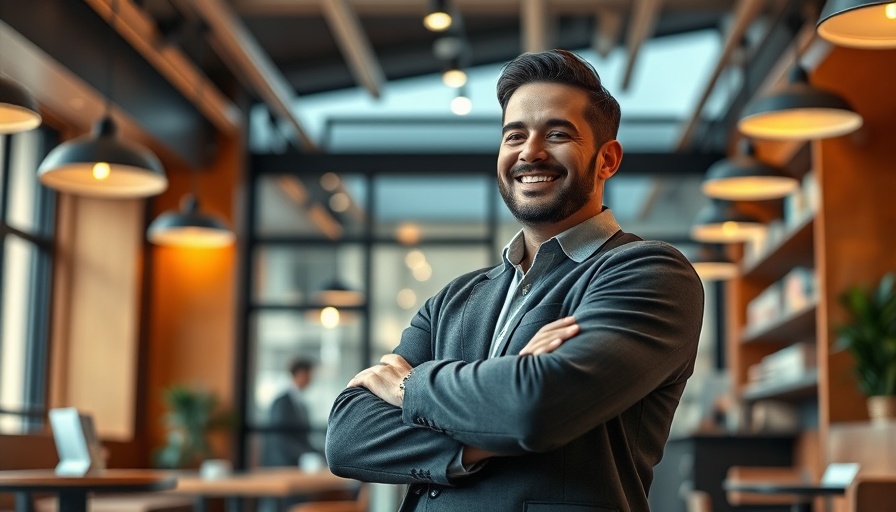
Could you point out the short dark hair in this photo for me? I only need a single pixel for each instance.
(301, 365)
(563, 67)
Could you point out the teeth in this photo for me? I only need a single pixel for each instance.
(536, 179)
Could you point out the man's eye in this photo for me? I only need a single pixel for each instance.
(513, 136)
(557, 135)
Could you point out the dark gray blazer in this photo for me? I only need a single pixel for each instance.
(580, 429)
(283, 448)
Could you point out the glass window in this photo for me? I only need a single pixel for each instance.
(25, 280)
(405, 277)
(413, 209)
(330, 206)
(298, 275)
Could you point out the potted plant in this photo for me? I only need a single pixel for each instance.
(870, 335)
(193, 414)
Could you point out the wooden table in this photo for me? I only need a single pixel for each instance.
(807, 491)
(276, 483)
(72, 491)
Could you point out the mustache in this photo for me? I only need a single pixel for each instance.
(524, 168)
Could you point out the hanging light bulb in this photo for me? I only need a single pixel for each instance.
(102, 164)
(329, 317)
(461, 104)
(712, 264)
(746, 178)
(18, 109)
(454, 76)
(722, 222)
(799, 112)
(437, 19)
(189, 228)
(336, 293)
(859, 23)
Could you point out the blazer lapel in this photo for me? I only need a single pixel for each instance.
(481, 314)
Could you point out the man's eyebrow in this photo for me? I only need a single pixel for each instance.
(550, 123)
(516, 125)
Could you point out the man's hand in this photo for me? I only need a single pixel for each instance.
(383, 380)
(551, 336)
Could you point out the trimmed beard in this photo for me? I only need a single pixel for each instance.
(570, 199)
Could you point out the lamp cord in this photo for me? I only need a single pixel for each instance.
(110, 60)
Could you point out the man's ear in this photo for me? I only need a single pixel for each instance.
(610, 158)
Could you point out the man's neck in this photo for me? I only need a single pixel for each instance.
(536, 234)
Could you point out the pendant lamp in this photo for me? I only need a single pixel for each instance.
(799, 112)
(712, 264)
(18, 110)
(188, 227)
(723, 222)
(336, 293)
(437, 19)
(859, 24)
(746, 178)
(102, 164)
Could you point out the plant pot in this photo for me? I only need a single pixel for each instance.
(882, 408)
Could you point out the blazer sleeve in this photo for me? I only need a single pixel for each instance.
(640, 319)
(367, 439)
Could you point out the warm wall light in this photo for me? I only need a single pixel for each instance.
(712, 264)
(18, 109)
(859, 24)
(746, 178)
(799, 112)
(188, 227)
(102, 164)
(437, 19)
(722, 222)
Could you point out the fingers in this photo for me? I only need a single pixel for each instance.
(384, 378)
(551, 336)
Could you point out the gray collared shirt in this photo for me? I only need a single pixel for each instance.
(576, 243)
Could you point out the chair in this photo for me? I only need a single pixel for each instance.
(780, 474)
(872, 493)
(359, 504)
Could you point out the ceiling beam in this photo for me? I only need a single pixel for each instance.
(643, 22)
(608, 23)
(253, 63)
(355, 47)
(534, 20)
(141, 32)
(744, 13)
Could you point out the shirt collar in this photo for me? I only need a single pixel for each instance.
(578, 242)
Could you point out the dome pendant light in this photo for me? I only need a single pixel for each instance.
(189, 228)
(18, 110)
(438, 19)
(799, 112)
(101, 164)
(712, 264)
(859, 23)
(722, 222)
(745, 178)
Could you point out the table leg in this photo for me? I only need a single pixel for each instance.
(23, 502)
(72, 500)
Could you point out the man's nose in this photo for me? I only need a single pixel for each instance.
(533, 151)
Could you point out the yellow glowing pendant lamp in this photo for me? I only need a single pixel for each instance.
(799, 112)
(859, 24)
(18, 110)
(712, 264)
(102, 164)
(746, 178)
(188, 227)
(723, 222)
(437, 19)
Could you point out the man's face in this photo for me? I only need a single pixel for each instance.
(302, 378)
(548, 158)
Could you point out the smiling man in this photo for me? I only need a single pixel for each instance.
(548, 382)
